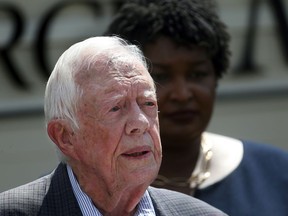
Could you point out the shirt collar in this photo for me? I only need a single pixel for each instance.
(227, 155)
(145, 206)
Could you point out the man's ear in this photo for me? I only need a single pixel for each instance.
(61, 133)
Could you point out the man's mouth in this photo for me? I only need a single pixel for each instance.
(136, 154)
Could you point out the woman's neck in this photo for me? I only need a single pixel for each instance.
(177, 166)
(180, 162)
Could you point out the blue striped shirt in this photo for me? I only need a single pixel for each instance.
(145, 206)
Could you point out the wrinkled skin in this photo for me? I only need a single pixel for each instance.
(116, 152)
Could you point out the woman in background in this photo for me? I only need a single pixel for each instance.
(187, 46)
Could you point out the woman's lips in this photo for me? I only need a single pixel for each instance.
(182, 117)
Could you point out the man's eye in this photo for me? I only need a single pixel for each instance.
(149, 103)
(115, 109)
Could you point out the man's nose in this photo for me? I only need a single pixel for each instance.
(137, 122)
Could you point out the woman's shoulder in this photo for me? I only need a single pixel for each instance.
(231, 146)
(264, 153)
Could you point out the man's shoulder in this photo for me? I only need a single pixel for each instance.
(25, 199)
(175, 203)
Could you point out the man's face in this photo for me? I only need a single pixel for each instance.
(118, 137)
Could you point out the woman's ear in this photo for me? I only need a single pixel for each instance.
(61, 133)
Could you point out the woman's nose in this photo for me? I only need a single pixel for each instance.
(181, 91)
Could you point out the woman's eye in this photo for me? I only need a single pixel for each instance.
(115, 109)
(198, 75)
(159, 77)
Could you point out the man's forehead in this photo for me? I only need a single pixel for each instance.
(124, 71)
(136, 82)
(112, 82)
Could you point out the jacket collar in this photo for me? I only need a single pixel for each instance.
(60, 199)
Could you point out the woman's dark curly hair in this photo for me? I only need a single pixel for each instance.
(186, 22)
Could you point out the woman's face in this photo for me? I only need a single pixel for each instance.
(186, 86)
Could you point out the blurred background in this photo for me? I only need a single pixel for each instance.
(252, 100)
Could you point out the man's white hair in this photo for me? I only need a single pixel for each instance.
(62, 93)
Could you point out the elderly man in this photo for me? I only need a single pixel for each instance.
(102, 114)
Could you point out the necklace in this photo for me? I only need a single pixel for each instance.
(196, 179)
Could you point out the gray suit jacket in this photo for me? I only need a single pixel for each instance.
(52, 195)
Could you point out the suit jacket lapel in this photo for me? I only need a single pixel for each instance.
(60, 199)
(160, 207)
